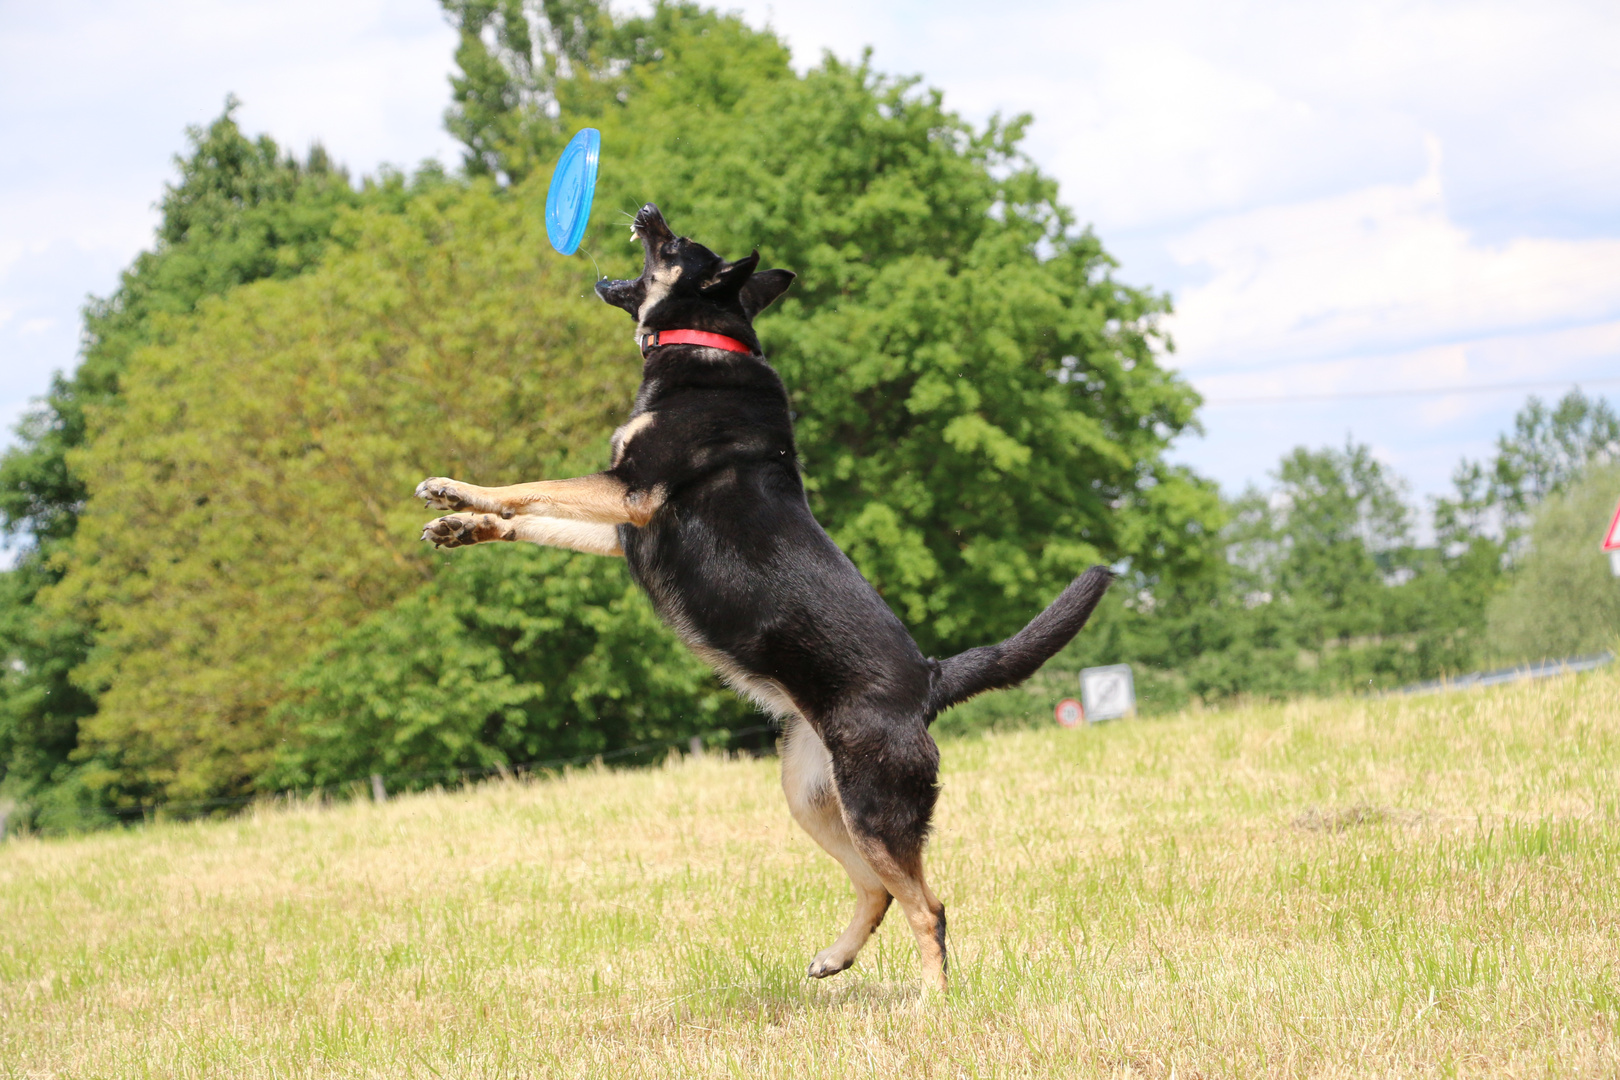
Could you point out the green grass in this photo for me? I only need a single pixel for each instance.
(1420, 886)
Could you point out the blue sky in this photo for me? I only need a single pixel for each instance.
(1343, 199)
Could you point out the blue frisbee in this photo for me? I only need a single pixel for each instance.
(573, 186)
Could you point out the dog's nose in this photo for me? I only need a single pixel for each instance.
(651, 223)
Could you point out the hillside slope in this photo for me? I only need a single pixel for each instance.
(1337, 887)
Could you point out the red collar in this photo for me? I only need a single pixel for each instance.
(690, 337)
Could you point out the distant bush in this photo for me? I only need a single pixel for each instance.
(1564, 600)
(512, 654)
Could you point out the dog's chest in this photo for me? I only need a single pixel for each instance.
(626, 432)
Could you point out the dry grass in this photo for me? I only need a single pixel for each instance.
(1398, 887)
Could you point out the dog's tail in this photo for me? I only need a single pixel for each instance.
(995, 667)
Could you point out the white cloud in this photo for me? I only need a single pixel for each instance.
(1552, 358)
(95, 98)
(1374, 269)
(1422, 436)
(1153, 112)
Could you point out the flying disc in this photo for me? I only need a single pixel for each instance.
(573, 186)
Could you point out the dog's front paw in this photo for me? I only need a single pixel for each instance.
(462, 530)
(443, 493)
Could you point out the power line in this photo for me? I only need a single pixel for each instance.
(1428, 391)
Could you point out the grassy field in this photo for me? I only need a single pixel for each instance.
(1421, 886)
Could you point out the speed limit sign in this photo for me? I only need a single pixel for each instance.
(1069, 713)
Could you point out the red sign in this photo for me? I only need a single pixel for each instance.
(1611, 539)
(1069, 713)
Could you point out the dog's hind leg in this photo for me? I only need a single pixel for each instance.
(887, 776)
(812, 797)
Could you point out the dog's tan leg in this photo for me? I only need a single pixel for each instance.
(592, 538)
(813, 799)
(904, 879)
(601, 498)
(460, 530)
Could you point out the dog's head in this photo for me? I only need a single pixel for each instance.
(685, 286)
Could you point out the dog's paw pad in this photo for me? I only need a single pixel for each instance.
(448, 532)
(441, 493)
(460, 530)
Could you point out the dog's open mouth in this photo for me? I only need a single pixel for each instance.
(648, 226)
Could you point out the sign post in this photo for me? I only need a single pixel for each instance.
(1611, 542)
(1108, 692)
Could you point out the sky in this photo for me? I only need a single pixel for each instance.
(1351, 205)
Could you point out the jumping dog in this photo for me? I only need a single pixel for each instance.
(705, 504)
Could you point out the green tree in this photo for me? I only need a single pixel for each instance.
(514, 60)
(510, 655)
(1563, 599)
(982, 407)
(1546, 450)
(240, 210)
(1342, 524)
(250, 495)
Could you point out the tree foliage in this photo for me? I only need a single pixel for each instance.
(1547, 450)
(510, 655)
(1338, 516)
(982, 408)
(241, 210)
(250, 496)
(1564, 600)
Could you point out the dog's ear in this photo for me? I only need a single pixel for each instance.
(622, 294)
(725, 282)
(762, 288)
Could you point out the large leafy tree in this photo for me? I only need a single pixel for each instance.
(1340, 522)
(982, 406)
(250, 495)
(241, 209)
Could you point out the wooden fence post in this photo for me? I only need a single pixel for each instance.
(379, 793)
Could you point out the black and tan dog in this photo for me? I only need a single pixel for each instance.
(705, 504)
